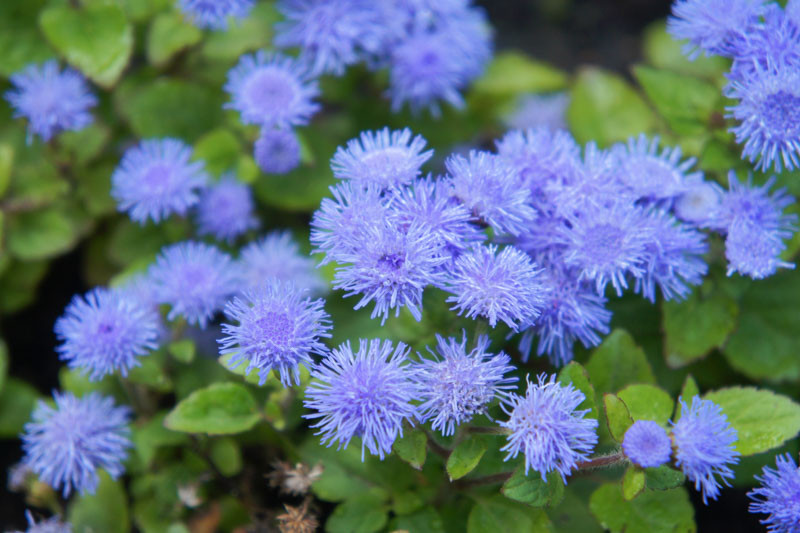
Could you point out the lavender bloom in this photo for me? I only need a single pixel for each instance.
(51, 525)
(391, 268)
(277, 151)
(460, 384)
(385, 158)
(647, 444)
(279, 328)
(505, 286)
(52, 100)
(272, 90)
(365, 394)
(705, 445)
(488, 187)
(277, 256)
(753, 251)
(775, 43)
(106, 331)
(214, 14)
(156, 178)
(66, 445)
(778, 496)
(195, 279)
(713, 26)
(548, 429)
(698, 202)
(540, 111)
(226, 210)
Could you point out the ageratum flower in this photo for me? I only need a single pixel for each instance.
(488, 187)
(277, 151)
(502, 286)
(697, 204)
(156, 179)
(51, 99)
(196, 279)
(277, 256)
(713, 26)
(753, 251)
(365, 394)
(778, 496)
(51, 525)
(548, 428)
(66, 445)
(225, 210)
(774, 43)
(458, 384)
(385, 158)
(705, 445)
(272, 90)
(214, 14)
(106, 331)
(279, 328)
(540, 111)
(647, 444)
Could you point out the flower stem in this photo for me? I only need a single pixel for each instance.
(435, 447)
(602, 461)
(487, 430)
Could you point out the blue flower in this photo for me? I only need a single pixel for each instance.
(547, 427)
(214, 14)
(272, 90)
(705, 445)
(279, 327)
(537, 110)
(277, 256)
(156, 178)
(106, 331)
(713, 26)
(52, 100)
(365, 394)
(753, 251)
(51, 525)
(504, 286)
(647, 444)
(385, 158)
(226, 210)
(774, 43)
(778, 496)
(697, 204)
(66, 445)
(277, 151)
(456, 384)
(196, 279)
(488, 187)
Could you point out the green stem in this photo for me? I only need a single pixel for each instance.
(435, 447)
(488, 430)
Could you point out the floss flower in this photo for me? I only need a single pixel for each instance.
(67, 444)
(364, 394)
(277, 151)
(226, 210)
(647, 444)
(778, 496)
(51, 525)
(277, 256)
(278, 328)
(713, 26)
(214, 14)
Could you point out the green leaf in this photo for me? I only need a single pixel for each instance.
(226, 456)
(577, 375)
(412, 447)
(182, 350)
(6, 164)
(763, 420)
(220, 150)
(604, 108)
(106, 510)
(151, 372)
(533, 490)
(169, 34)
(18, 283)
(618, 362)
(20, 46)
(652, 512)
(663, 478)
(17, 401)
(97, 40)
(694, 327)
(619, 419)
(512, 73)
(465, 457)
(500, 514)
(663, 51)
(632, 483)
(365, 513)
(3, 364)
(426, 520)
(221, 408)
(647, 402)
(41, 234)
(252, 33)
(152, 435)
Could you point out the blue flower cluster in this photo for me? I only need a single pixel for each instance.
(215, 14)
(779, 496)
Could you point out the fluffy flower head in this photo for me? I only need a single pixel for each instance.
(214, 14)
(226, 210)
(277, 256)
(647, 444)
(51, 525)
(540, 110)
(713, 26)
(778, 496)
(277, 151)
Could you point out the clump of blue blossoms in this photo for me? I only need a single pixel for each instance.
(647, 444)
(277, 256)
(225, 210)
(277, 151)
(215, 14)
(778, 496)
(51, 525)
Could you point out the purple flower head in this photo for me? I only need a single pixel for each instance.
(51, 525)
(156, 178)
(385, 158)
(226, 210)
(51, 99)
(778, 496)
(279, 327)
(488, 187)
(66, 445)
(458, 384)
(753, 251)
(391, 268)
(713, 26)
(547, 427)
(504, 286)
(540, 111)
(365, 394)
(277, 151)
(196, 279)
(774, 43)
(647, 444)
(277, 256)
(698, 202)
(272, 90)
(214, 14)
(106, 331)
(705, 445)
(768, 112)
